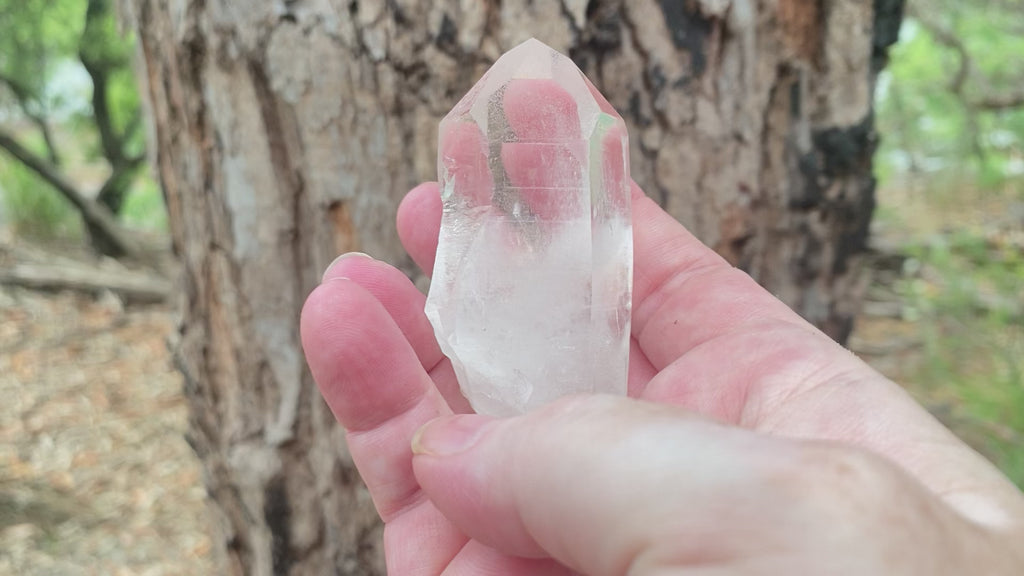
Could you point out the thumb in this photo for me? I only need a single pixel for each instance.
(601, 483)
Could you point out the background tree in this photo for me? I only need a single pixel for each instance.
(955, 97)
(38, 41)
(287, 132)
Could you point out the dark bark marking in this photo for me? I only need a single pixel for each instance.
(846, 151)
(601, 34)
(808, 264)
(840, 327)
(689, 30)
(809, 190)
(604, 25)
(288, 177)
(636, 110)
(841, 164)
(795, 99)
(398, 15)
(277, 515)
(736, 231)
(447, 36)
(658, 79)
(574, 27)
(854, 225)
(886, 31)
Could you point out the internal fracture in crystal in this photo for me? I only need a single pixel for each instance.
(531, 292)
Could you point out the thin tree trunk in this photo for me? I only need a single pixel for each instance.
(288, 131)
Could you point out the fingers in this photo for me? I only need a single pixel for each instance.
(374, 383)
(419, 224)
(421, 542)
(398, 295)
(591, 482)
(404, 303)
(540, 111)
(610, 486)
(476, 559)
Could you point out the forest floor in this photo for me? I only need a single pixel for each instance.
(96, 476)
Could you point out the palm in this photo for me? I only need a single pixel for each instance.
(705, 337)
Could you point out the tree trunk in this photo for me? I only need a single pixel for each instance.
(287, 131)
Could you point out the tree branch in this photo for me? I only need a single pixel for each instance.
(987, 102)
(116, 188)
(23, 95)
(949, 40)
(114, 240)
(128, 284)
(1000, 101)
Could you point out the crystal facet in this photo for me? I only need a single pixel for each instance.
(532, 283)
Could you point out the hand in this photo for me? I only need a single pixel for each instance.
(757, 445)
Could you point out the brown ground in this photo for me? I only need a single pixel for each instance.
(95, 474)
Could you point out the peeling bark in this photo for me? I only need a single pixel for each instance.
(288, 131)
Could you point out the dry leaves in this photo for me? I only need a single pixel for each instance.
(95, 474)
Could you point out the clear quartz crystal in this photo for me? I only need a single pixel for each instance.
(532, 283)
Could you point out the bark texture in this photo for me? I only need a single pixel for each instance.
(287, 131)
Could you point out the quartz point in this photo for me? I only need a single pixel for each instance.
(531, 291)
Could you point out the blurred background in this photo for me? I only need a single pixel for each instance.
(94, 468)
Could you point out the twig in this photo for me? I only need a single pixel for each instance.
(131, 286)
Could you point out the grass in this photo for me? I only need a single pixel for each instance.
(964, 288)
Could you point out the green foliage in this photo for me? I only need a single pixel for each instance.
(35, 37)
(968, 302)
(34, 209)
(943, 139)
(144, 207)
(933, 124)
(65, 68)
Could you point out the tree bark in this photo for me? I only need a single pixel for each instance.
(288, 131)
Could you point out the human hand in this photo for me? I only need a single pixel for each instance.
(758, 445)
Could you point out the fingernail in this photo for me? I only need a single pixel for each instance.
(344, 256)
(449, 435)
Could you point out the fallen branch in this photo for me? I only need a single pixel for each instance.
(131, 286)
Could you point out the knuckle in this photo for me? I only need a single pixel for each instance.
(835, 482)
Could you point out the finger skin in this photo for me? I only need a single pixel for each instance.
(402, 300)
(539, 110)
(570, 481)
(477, 559)
(373, 382)
(404, 303)
(611, 486)
(419, 224)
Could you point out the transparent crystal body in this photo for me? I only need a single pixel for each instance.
(531, 292)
